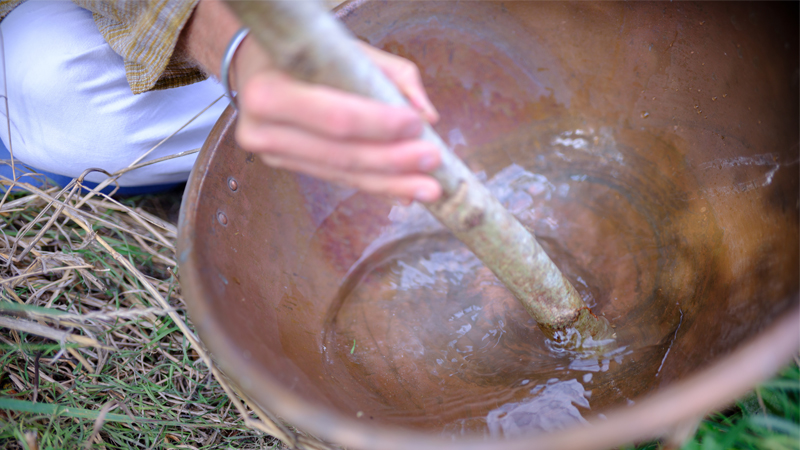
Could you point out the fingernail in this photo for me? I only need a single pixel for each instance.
(428, 163)
(425, 195)
(412, 129)
(433, 114)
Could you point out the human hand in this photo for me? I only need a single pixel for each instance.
(335, 135)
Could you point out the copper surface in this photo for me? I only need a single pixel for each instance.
(669, 135)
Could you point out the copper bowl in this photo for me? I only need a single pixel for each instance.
(652, 147)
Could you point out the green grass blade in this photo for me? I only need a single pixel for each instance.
(778, 424)
(7, 306)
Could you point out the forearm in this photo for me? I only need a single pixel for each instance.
(206, 36)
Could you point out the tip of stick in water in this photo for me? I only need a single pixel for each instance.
(589, 325)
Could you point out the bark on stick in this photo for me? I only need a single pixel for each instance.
(304, 40)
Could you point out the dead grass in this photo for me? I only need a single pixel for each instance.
(95, 347)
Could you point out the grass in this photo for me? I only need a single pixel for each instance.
(767, 418)
(96, 350)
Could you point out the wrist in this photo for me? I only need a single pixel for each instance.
(247, 60)
(207, 34)
(227, 60)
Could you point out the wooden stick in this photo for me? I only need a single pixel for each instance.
(310, 44)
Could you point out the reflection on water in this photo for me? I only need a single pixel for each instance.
(554, 406)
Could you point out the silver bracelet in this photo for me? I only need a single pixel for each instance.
(227, 59)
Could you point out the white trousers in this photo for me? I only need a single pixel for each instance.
(71, 108)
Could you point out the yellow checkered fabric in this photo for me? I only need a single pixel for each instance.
(144, 33)
(6, 6)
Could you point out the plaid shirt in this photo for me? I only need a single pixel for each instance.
(145, 33)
